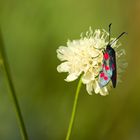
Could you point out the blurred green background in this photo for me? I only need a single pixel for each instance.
(32, 31)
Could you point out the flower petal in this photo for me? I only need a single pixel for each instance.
(88, 77)
(71, 77)
(96, 87)
(89, 88)
(63, 67)
(104, 91)
(63, 53)
(93, 86)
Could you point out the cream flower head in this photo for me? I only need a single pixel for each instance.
(85, 57)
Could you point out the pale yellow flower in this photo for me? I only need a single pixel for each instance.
(85, 56)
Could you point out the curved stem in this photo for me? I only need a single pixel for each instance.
(74, 109)
(6, 70)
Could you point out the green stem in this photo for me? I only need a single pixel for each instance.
(74, 110)
(6, 70)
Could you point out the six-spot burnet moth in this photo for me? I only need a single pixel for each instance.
(109, 69)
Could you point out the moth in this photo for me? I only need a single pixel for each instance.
(109, 67)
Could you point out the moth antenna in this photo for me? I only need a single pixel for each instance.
(118, 38)
(109, 32)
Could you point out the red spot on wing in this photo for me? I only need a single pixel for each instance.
(105, 78)
(106, 67)
(106, 56)
(102, 74)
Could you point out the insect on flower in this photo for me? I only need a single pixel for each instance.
(109, 68)
(99, 60)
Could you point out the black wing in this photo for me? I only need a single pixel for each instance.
(112, 64)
